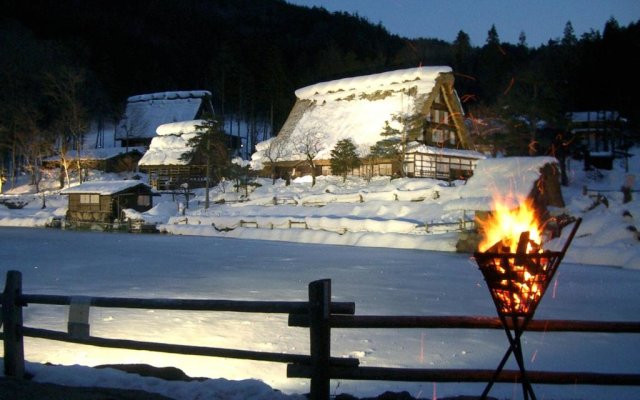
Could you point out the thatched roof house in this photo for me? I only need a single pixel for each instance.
(146, 112)
(164, 162)
(421, 103)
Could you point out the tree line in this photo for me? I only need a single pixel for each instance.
(67, 63)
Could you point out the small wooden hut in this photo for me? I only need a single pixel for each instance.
(103, 201)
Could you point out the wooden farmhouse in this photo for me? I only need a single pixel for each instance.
(114, 159)
(598, 134)
(164, 163)
(146, 112)
(103, 201)
(419, 104)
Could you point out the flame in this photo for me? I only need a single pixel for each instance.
(505, 225)
(517, 281)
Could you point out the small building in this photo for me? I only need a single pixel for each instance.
(598, 135)
(103, 201)
(164, 162)
(112, 159)
(420, 104)
(146, 112)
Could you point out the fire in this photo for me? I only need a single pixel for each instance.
(505, 225)
(518, 273)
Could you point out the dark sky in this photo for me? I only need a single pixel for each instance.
(540, 20)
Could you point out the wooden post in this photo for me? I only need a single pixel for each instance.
(320, 337)
(12, 321)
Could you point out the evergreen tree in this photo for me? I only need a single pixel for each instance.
(522, 39)
(344, 158)
(391, 147)
(493, 39)
(569, 38)
(209, 147)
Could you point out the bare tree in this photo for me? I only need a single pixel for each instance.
(276, 150)
(31, 143)
(309, 143)
(65, 90)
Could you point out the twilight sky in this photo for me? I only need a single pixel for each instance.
(540, 20)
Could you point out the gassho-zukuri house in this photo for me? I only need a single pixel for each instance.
(164, 162)
(146, 112)
(420, 103)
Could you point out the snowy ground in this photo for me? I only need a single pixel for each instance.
(386, 268)
(378, 280)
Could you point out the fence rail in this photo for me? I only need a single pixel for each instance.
(319, 314)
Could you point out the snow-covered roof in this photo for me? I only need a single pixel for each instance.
(355, 108)
(510, 178)
(145, 112)
(98, 154)
(104, 187)
(415, 147)
(171, 143)
(423, 78)
(593, 116)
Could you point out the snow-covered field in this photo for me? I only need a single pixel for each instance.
(378, 280)
(373, 241)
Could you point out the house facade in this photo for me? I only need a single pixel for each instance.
(598, 135)
(104, 201)
(418, 106)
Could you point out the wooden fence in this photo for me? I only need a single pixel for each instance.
(318, 313)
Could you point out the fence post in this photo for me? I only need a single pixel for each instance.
(12, 321)
(320, 337)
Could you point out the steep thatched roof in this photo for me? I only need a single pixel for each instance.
(358, 108)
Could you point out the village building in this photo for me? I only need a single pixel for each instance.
(146, 112)
(166, 162)
(420, 104)
(111, 159)
(104, 201)
(598, 136)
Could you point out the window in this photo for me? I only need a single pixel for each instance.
(144, 200)
(437, 136)
(89, 199)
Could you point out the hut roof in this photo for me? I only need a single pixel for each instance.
(510, 177)
(146, 112)
(104, 188)
(171, 143)
(98, 154)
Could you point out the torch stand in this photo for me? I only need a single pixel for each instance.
(514, 331)
(517, 281)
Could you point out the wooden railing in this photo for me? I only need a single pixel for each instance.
(319, 314)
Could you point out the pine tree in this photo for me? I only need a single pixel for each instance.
(344, 158)
(209, 147)
(391, 147)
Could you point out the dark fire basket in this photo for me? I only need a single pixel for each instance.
(517, 281)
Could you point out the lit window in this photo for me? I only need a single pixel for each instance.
(144, 200)
(89, 199)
